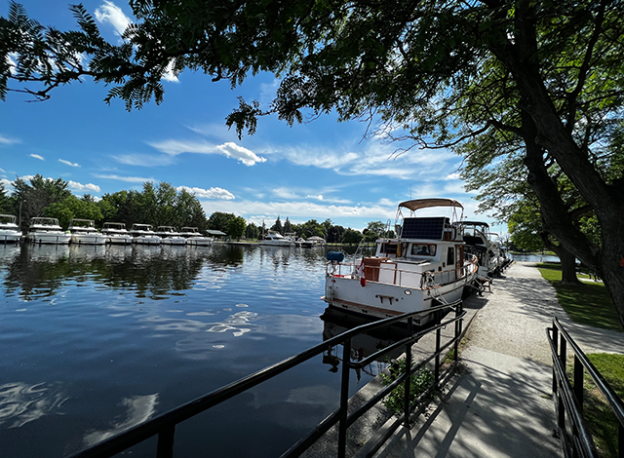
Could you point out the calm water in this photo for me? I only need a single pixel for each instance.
(94, 340)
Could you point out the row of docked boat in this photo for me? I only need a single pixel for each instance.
(44, 230)
(431, 260)
(274, 238)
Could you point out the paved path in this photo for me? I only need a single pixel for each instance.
(499, 405)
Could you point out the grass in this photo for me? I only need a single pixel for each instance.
(587, 303)
(597, 413)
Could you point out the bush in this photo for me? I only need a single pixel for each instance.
(419, 383)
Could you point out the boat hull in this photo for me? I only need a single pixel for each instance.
(147, 240)
(10, 236)
(59, 238)
(88, 239)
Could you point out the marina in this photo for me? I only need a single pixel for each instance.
(99, 338)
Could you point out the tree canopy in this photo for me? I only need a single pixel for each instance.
(489, 78)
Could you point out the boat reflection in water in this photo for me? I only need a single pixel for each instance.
(337, 322)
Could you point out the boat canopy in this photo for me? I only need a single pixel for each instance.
(414, 205)
(475, 223)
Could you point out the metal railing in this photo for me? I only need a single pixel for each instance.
(164, 425)
(575, 436)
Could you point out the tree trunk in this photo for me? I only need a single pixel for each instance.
(568, 266)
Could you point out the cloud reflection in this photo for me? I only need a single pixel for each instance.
(138, 410)
(21, 403)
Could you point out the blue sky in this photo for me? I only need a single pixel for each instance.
(320, 169)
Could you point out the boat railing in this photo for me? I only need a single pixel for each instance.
(338, 421)
(390, 274)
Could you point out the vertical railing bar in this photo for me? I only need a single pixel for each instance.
(408, 379)
(620, 440)
(165, 442)
(344, 398)
(555, 339)
(437, 357)
(578, 382)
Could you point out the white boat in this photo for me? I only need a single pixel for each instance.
(194, 237)
(9, 232)
(116, 233)
(169, 236)
(83, 232)
(480, 242)
(44, 230)
(143, 234)
(423, 266)
(274, 238)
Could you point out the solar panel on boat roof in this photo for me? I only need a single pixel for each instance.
(423, 228)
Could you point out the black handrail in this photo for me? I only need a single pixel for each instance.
(164, 425)
(575, 437)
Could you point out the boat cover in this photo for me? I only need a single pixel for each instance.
(414, 205)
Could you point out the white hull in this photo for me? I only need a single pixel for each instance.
(147, 240)
(88, 239)
(49, 238)
(173, 241)
(199, 241)
(386, 300)
(7, 236)
(118, 239)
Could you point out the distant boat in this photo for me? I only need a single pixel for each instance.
(83, 232)
(9, 232)
(480, 242)
(116, 233)
(44, 230)
(274, 238)
(194, 237)
(169, 236)
(423, 265)
(142, 234)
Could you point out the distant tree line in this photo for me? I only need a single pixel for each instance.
(158, 205)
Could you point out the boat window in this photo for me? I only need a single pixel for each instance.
(389, 248)
(423, 250)
(450, 260)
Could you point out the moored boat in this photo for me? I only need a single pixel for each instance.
(480, 242)
(116, 233)
(143, 234)
(194, 237)
(83, 232)
(44, 230)
(274, 238)
(169, 236)
(9, 232)
(423, 265)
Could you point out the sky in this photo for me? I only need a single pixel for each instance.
(316, 170)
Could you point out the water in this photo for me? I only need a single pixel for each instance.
(534, 257)
(94, 340)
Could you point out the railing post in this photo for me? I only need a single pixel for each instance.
(408, 374)
(344, 398)
(578, 382)
(165, 442)
(436, 372)
(621, 441)
(555, 339)
(458, 328)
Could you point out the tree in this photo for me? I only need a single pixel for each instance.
(351, 236)
(546, 75)
(335, 234)
(219, 221)
(373, 231)
(236, 227)
(35, 197)
(252, 232)
(288, 228)
(5, 201)
(277, 227)
(73, 207)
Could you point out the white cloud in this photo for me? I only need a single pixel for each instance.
(453, 176)
(376, 160)
(169, 74)
(36, 156)
(83, 187)
(7, 141)
(2, 170)
(69, 163)
(212, 193)
(285, 193)
(126, 179)
(8, 184)
(319, 197)
(144, 160)
(112, 14)
(228, 149)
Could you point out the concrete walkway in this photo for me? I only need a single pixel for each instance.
(500, 404)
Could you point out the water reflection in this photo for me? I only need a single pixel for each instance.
(21, 403)
(137, 410)
(362, 345)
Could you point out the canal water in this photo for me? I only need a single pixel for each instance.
(95, 340)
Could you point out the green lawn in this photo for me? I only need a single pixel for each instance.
(587, 303)
(597, 413)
